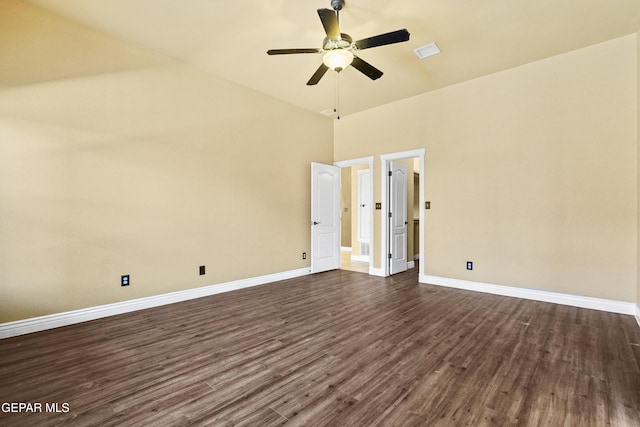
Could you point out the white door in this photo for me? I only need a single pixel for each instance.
(364, 213)
(398, 218)
(325, 217)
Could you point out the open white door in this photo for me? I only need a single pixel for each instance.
(325, 217)
(398, 218)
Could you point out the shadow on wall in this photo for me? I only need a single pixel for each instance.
(38, 46)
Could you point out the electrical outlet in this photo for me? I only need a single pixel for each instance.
(427, 205)
(469, 265)
(202, 270)
(304, 255)
(124, 280)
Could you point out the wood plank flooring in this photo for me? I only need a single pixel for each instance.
(337, 348)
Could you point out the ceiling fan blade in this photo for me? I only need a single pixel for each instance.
(329, 20)
(290, 51)
(383, 39)
(365, 68)
(317, 75)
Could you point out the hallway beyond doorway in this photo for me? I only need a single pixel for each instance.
(346, 263)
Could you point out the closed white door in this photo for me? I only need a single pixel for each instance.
(325, 217)
(364, 213)
(398, 218)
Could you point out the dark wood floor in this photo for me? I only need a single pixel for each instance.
(337, 348)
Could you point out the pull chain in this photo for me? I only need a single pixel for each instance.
(336, 108)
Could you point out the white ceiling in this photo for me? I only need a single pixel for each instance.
(230, 39)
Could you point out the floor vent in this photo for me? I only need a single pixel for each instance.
(364, 248)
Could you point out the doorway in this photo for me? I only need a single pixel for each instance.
(356, 214)
(418, 211)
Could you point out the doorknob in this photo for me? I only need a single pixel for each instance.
(316, 222)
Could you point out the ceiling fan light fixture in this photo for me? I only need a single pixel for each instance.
(337, 59)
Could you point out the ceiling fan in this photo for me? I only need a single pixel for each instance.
(339, 48)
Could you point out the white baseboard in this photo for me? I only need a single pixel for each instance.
(379, 272)
(345, 248)
(35, 324)
(638, 314)
(360, 258)
(21, 327)
(601, 304)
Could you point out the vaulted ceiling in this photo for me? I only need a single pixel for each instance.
(230, 38)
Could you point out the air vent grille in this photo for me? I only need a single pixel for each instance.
(364, 248)
(427, 50)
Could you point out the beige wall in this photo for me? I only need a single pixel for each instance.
(115, 160)
(638, 153)
(531, 172)
(138, 173)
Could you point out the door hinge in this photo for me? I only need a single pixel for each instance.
(389, 256)
(390, 173)
(389, 214)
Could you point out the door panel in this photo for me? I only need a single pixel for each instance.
(325, 217)
(398, 231)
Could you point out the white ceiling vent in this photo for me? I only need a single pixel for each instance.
(427, 50)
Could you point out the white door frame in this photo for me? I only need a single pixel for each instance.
(358, 162)
(364, 193)
(384, 231)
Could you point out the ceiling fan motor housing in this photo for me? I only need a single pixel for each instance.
(337, 4)
(345, 42)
